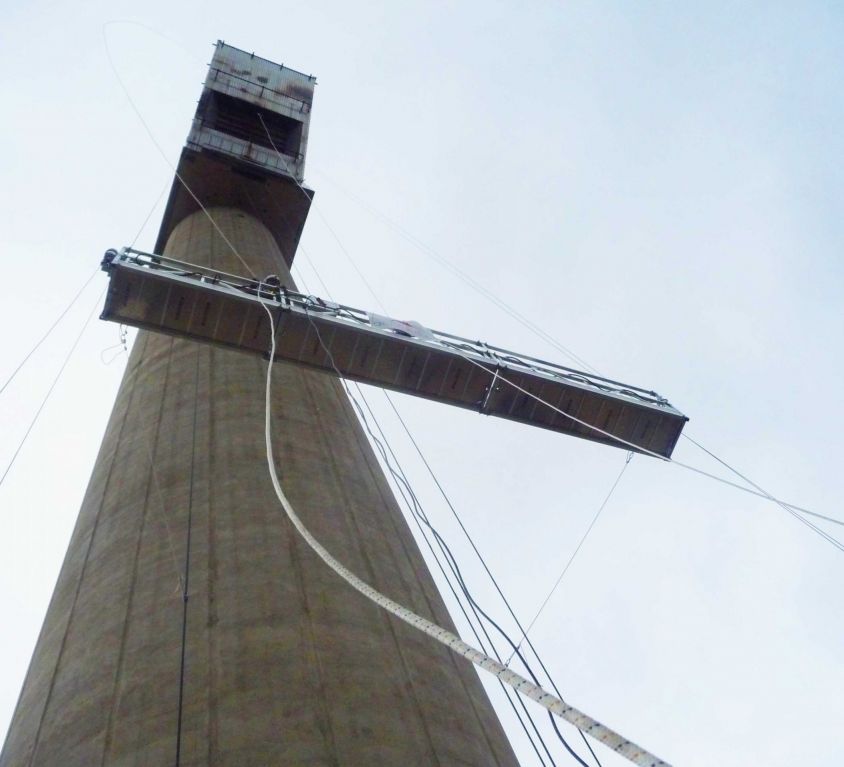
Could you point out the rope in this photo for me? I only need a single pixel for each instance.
(149, 215)
(421, 519)
(49, 330)
(553, 704)
(450, 559)
(52, 386)
(526, 631)
(452, 563)
(760, 491)
(515, 648)
(402, 482)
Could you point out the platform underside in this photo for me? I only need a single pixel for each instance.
(214, 308)
(217, 180)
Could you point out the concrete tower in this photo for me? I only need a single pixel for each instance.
(189, 624)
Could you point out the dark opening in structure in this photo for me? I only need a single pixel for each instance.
(240, 119)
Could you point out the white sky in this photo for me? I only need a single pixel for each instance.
(659, 186)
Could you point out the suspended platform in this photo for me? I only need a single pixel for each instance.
(167, 296)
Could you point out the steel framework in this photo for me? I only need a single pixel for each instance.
(168, 296)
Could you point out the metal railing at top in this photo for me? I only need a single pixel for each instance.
(269, 290)
(215, 73)
(252, 55)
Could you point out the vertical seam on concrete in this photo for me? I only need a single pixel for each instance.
(191, 224)
(186, 584)
(311, 648)
(203, 485)
(43, 632)
(213, 736)
(375, 473)
(212, 238)
(115, 698)
(36, 740)
(350, 520)
(368, 456)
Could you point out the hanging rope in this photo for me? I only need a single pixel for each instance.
(401, 482)
(552, 703)
(547, 599)
(49, 330)
(52, 386)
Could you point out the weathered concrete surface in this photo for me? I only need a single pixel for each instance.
(285, 664)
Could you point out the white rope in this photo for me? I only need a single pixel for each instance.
(555, 705)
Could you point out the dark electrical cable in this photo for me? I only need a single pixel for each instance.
(52, 386)
(401, 484)
(415, 516)
(186, 578)
(591, 750)
(451, 559)
(446, 637)
(420, 518)
(483, 561)
(506, 690)
(415, 509)
(460, 580)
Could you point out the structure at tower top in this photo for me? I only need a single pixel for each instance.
(246, 147)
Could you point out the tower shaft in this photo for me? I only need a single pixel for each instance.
(272, 660)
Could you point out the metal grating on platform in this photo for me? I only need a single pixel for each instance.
(168, 296)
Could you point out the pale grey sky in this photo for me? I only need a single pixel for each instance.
(657, 185)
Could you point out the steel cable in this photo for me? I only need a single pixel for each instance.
(638, 448)
(52, 386)
(49, 330)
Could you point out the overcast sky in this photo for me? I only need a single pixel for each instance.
(657, 185)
